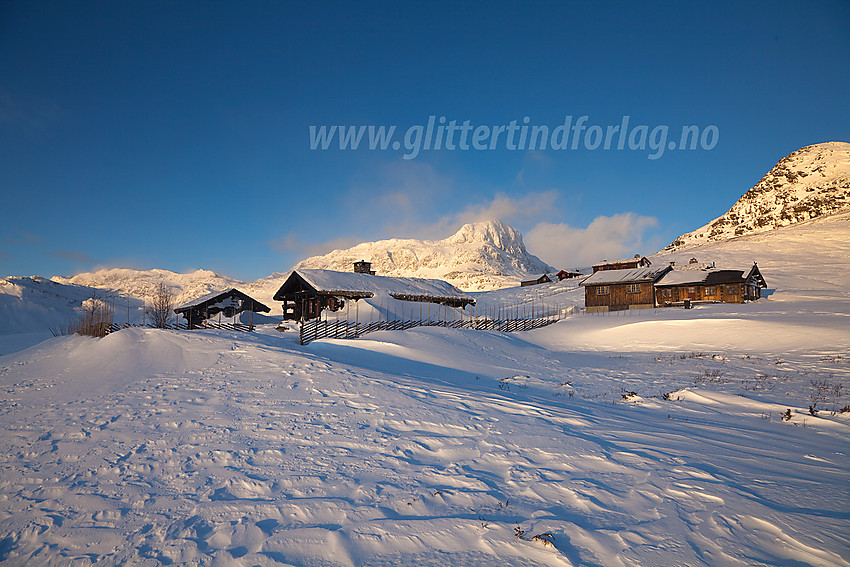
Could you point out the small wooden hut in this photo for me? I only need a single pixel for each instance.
(568, 274)
(229, 303)
(542, 279)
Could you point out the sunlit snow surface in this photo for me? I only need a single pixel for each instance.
(655, 438)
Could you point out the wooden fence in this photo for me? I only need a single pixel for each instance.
(184, 326)
(346, 329)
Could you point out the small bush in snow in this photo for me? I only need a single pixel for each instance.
(710, 377)
(96, 319)
(547, 539)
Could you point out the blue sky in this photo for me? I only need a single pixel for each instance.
(176, 135)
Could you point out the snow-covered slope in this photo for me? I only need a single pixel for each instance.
(480, 256)
(141, 283)
(31, 308)
(662, 437)
(812, 182)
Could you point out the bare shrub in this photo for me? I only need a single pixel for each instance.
(59, 330)
(761, 382)
(96, 319)
(710, 377)
(546, 538)
(824, 391)
(161, 306)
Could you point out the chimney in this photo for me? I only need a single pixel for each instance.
(363, 267)
(672, 264)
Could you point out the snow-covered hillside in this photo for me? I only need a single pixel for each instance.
(812, 182)
(480, 256)
(141, 283)
(31, 306)
(663, 437)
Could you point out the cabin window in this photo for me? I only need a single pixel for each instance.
(710, 290)
(692, 290)
(731, 289)
(633, 288)
(602, 290)
(666, 293)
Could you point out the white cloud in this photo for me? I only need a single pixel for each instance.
(78, 257)
(532, 205)
(606, 238)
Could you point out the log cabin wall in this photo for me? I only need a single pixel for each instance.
(724, 293)
(619, 296)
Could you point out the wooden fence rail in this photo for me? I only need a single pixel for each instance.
(345, 329)
(183, 326)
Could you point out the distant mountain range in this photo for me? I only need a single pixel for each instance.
(812, 182)
(141, 283)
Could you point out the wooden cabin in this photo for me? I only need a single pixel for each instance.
(541, 280)
(710, 285)
(567, 274)
(229, 303)
(306, 293)
(625, 264)
(616, 290)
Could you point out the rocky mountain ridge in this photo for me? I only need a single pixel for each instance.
(811, 182)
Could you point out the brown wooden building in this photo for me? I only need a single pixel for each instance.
(541, 280)
(711, 285)
(228, 302)
(625, 264)
(306, 293)
(567, 274)
(616, 290)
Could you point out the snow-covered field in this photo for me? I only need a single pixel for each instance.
(656, 438)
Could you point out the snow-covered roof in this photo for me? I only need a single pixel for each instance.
(639, 259)
(330, 282)
(711, 277)
(535, 278)
(623, 276)
(216, 295)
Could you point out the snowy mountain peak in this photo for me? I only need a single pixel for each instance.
(811, 182)
(479, 256)
(493, 232)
